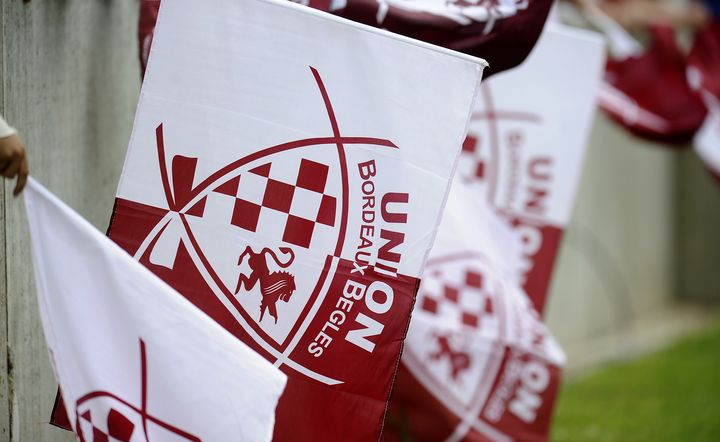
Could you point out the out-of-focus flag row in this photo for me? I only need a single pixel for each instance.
(526, 143)
(661, 92)
(478, 363)
(286, 175)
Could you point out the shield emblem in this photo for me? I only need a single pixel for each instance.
(251, 228)
(264, 233)
(480, 349)
(452, 346)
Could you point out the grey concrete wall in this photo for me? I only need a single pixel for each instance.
(698, 232)
(617, 254)
(644, 234)
(70, 81)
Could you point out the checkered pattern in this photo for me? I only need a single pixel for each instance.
(469, 302)
(119, 428)
(470, 150)
(291, 209)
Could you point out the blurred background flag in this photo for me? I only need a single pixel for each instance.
(502, 32)
(478, 363)
(661, 91)
(134, 359)
(526, 144)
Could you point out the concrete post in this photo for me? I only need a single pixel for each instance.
(70, 81)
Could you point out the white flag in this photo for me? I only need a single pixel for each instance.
(526, 142)
(707, 142)
(134, 359)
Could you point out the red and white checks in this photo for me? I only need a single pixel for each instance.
(471, 301)
(289, 205)
(470, 150)
(115, 428)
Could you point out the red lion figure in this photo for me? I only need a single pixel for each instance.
(459, 360)
(273, 286)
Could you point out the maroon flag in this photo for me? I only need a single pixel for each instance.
(500, 31)
(146, 29)
(503, 32)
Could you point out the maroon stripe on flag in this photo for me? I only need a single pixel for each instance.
(151, 418)
(341, 155)
(163, 167)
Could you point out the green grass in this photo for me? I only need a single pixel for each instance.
(672, 395)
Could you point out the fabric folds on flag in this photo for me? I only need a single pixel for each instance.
(134, 359)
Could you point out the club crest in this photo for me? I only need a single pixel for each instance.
(480, 348)
(263, 233)
(458, 316)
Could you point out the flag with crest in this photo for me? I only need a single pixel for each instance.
(286, 173)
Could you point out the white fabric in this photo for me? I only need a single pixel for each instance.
(5, 129)
(500, 244)
(527, 140)
(213, 103)
(621, 44)
(97, 304)
(707, 141)
(535, 120)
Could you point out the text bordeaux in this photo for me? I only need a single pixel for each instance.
(378, 248)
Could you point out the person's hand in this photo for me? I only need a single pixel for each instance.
(13, 161)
